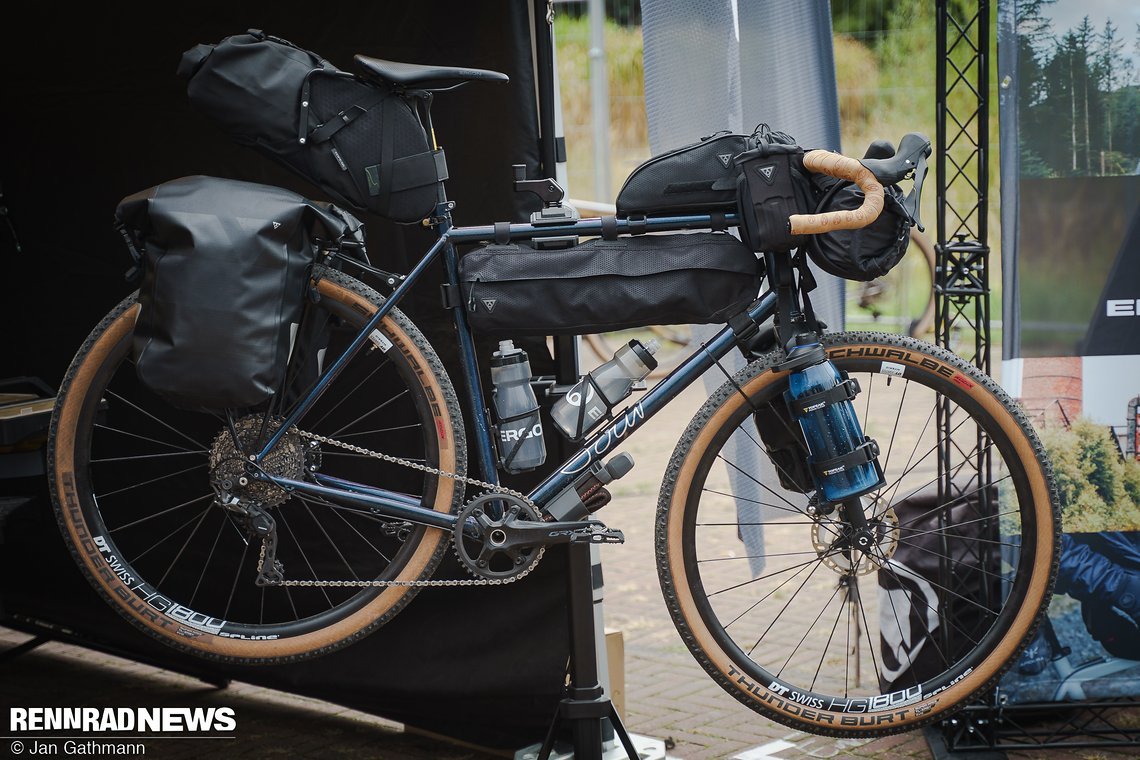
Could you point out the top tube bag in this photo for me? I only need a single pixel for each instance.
(361, 142)
(225, 265)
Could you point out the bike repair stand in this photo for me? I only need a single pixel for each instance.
(585, 709)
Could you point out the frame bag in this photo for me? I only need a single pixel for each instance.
(362, 142)
(601, 285)
(222, 290)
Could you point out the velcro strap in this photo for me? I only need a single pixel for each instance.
(743, 327)
(609, 228)
(637, 225)
(867, 452)
(844, 391)
(502, 232)
(419, 170)
(719, 221)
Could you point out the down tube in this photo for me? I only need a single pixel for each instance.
(633, 416)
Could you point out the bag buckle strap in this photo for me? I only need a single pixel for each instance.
(867, 452)
(844, 391)
(325, 131)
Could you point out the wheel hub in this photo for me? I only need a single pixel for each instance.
(845, 550)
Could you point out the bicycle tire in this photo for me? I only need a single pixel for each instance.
(104, 504)
(718, 604)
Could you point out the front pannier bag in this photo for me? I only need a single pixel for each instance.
(225, 268)
(360, 141)
(701, 278)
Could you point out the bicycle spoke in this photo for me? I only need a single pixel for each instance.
(304, 557)
(787, 604)
(755, 556)
(120, 431)
(760, 601)
(336, 510)
(237, 577)
(331, 542)
(209, 558)
(136, 457)
(371, 411)
(769, 575)
(185, 543)
(895, 429)
(159, 514)
(165, 538)
(381, 430)
(741, 498)
(827, 646)
(168, 426)
(346, 396)
(867, 628)
(815, 622)
(99, 496)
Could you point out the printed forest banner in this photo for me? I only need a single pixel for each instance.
(1069, 91)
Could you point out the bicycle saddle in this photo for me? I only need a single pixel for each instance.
(423, 77)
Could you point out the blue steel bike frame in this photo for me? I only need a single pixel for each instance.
(406, 507)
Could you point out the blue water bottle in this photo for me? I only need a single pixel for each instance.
(844, 463)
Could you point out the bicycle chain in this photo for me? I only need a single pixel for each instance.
(433, 583)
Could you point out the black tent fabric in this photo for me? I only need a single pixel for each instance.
(93, 111)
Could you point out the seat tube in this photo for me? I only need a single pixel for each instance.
(469, 362)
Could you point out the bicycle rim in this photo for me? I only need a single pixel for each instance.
(801, 629)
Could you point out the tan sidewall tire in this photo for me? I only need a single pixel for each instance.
(70, 510)
(671, 518)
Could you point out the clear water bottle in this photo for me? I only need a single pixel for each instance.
(844, 461)
(590, 401)
(521, 446)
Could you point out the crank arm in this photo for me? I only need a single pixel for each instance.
(578, 531)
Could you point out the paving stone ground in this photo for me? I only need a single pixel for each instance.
(667, 694)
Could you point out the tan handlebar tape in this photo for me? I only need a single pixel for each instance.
(841, 167)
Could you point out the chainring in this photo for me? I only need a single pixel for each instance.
(489, 555)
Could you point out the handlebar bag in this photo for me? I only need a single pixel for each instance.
(600, 285)
(225, 265)
(771, 186)
(362, 143)
(695, 178)
(865, 253)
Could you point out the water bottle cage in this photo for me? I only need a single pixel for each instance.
(507, 458)
(581, 428)
(844, 391)
(867, 452)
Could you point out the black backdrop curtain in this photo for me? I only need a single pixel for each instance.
(92, 111)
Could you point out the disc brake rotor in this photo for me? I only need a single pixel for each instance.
(827, 533)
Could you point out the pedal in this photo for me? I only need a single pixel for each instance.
(607, 536)
(585, 531)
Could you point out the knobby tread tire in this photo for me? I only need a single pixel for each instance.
(673, 596)
(330, 282)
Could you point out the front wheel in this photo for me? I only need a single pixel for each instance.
(131, 480)
(764, 583)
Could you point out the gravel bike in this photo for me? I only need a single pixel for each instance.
(276, 534)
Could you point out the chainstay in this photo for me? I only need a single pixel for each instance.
(430, 583)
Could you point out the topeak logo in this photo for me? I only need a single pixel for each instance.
(767, 172)
(276, 225)
(725, 158)
(490, 303)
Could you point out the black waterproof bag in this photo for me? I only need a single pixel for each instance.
(225, 265)
(695, 178)
(865, 253)
(358, 140)
(600, 285)
(771, 186)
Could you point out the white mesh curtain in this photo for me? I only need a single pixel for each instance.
(716, 64)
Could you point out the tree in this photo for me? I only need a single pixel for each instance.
(1109, 66)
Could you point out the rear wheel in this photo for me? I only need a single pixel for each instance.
(769, 593)
(131, 481)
